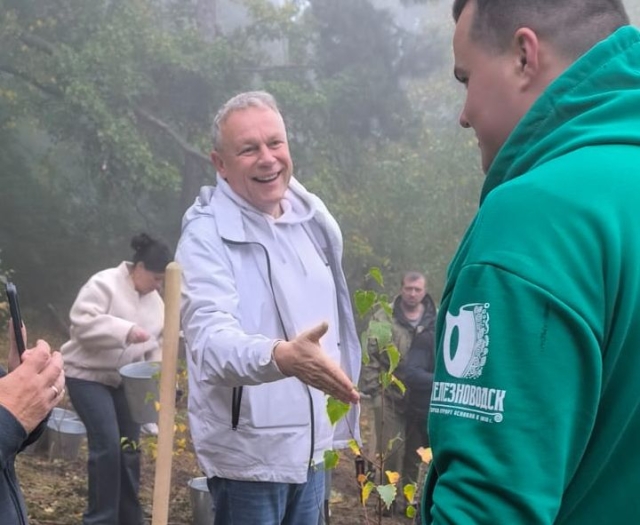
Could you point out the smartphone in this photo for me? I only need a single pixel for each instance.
(14, 308)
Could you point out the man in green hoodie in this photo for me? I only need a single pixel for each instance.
(535, 411)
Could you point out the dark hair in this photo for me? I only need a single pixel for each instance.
(155, 255)
(572, 26)
(413, 276)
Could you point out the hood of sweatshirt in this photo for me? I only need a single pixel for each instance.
(297, 206)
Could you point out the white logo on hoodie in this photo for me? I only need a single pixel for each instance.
(465, 350)
(466, 341)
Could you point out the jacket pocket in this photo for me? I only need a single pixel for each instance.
(280, 404)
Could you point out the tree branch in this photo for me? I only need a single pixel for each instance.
(49, 90)
(143, 113)
(186, 147)
(37, 42)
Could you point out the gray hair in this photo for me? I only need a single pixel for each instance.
(572, 26)
(248, 99)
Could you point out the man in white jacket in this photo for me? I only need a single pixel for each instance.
(268, 324)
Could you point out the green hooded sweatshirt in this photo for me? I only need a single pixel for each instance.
(535, 411)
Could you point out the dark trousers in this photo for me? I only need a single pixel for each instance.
(415, 437)
(114, 457)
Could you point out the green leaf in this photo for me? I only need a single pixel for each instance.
(331, 459)
(127, 444)
(381, 332)
(366, 491)
(387, 493)
(364, 344)
(394, 356)
(392, 441)
(364, 301)
(399, 384)
(383, 300)
(354, 447)
(409, 491)
(336, 410)
(410, 512)
(376, 275)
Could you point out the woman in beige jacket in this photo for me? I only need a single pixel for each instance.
(116, 319)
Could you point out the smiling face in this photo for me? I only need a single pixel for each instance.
(254, 158)
(492, 106)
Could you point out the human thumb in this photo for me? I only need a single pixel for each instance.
(317, 332)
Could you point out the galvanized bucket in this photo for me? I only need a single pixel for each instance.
(140, 381)
(41, 446)
(201, 502)
(64, 437)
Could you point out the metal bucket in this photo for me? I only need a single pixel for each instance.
(140, 381)
(41, 446)
(63, 413)
(64, 437)
(201, 502)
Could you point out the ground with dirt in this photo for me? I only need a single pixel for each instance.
(55, 489)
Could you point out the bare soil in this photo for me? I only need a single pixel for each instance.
(56, 489)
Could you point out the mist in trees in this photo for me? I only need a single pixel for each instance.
(105, 110)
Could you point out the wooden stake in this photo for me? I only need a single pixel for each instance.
(166, 417)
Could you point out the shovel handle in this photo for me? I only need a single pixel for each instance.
(166, 416)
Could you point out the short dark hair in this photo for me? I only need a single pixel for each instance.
(572, 26)
(413, 276)
(154, 254)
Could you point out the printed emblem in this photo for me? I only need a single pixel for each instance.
(466, 341)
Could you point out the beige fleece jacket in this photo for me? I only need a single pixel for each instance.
(106, 308)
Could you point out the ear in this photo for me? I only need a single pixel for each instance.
(218, 163)
(527, 57)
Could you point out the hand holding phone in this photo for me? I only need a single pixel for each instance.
(14, 308)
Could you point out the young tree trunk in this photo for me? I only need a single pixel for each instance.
(207, 19)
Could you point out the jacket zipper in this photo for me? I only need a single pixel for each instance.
(237, 391)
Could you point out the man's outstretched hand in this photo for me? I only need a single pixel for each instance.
(304, 358)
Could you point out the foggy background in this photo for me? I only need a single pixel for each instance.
(105, 110)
